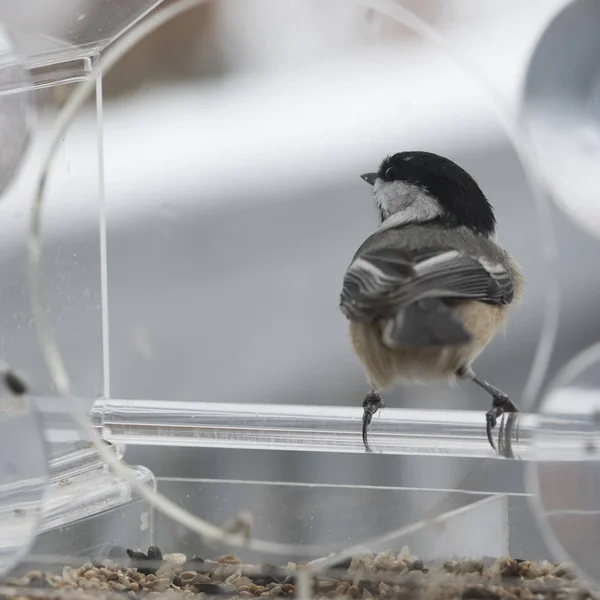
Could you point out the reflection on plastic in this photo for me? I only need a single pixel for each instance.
(567, 494)
(561, 110)
(23, 476)
(15, 112)
(337, 519)
(58, 40)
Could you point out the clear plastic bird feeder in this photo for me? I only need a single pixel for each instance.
(152, 333)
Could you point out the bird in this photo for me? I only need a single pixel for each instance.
(431, 287)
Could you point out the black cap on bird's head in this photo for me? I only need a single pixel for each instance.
(408, 178)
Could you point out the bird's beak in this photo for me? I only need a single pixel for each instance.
(369, 178)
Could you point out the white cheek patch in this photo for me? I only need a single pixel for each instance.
(403, 203)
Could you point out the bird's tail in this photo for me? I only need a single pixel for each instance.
(426, 323)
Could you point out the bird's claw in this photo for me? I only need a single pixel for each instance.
(367, 418)
(501, 404)
(490, 424)
(371, 404)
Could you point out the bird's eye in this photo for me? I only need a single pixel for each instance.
(390, 174)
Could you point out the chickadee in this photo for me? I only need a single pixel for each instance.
(430, 288)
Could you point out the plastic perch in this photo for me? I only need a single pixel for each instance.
(337, 429)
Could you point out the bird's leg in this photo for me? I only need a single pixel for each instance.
(501, 403)
(371, 404)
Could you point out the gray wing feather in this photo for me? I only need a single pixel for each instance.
(381, 282)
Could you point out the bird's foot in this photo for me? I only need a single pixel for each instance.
(371, 404)
(501, 404)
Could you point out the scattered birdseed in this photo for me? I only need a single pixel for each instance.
(135, 575)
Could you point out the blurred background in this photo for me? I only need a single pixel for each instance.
(234, 138)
